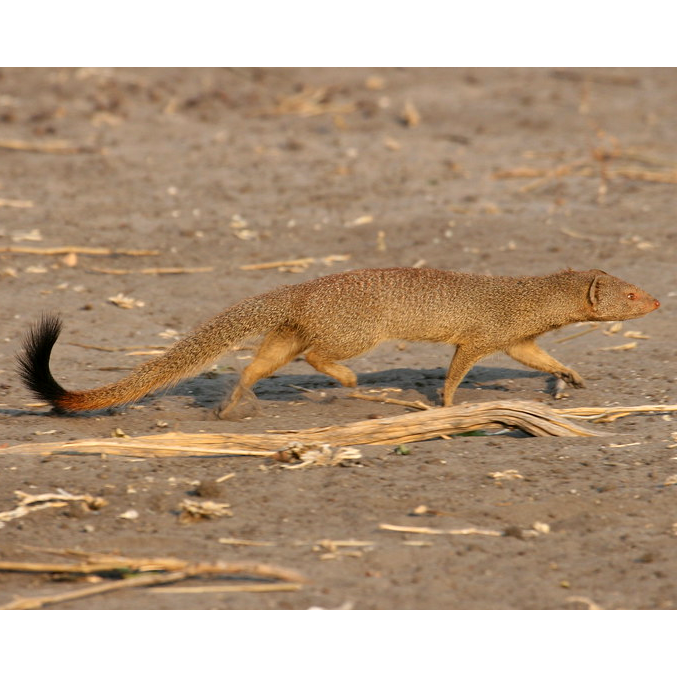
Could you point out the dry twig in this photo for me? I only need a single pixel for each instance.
(192, 511)
(16, 204)
(414, 404)
(597, 165)
(301, 263)
(309, 102)
(75, 249)
(149, 271)
(33, 502)
(56, 146)
(245, 587)
(166, 570)
(470, 531)
(142, 580)
(115, 349)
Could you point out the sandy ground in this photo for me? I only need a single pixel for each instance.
(221, 168)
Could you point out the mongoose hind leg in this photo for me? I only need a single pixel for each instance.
(464, 358)
(345, 376)
(530, 354)
(277, 349)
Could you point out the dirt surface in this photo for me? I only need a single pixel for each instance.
(221, 168)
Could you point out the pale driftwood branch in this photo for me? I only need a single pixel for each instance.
(531, 417)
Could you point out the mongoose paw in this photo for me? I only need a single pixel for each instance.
(237, 411)
(571, 378)
(236, 414)
(558, 389)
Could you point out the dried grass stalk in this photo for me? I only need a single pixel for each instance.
(309, 102)
(32, 502)
(215, 589)
(90, 251)
(16, 204)
(149, 271)
(469, 531)
(301, 263)
(138, 581)
(414, 404)
(149, 571)
(95, 562)
(57, 146)
(192, 511)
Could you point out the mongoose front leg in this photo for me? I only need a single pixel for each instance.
(530, 354)
(345, 376)
(463, 360)
(277, 349)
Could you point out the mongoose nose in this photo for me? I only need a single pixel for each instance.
(656, 303)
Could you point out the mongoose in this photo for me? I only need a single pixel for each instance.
(340, 316)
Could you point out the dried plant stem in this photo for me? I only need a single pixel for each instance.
(542, 176)
(415, 404)
(306, 261)
(470, 531)
(163, 570)
(97, 589)
(278, 264)
(109, 349)
(91, 251)
(16, 204)
(32, 502)
(56, 146)
(592, 606)
(149, 271)
(96, 562)
(638, 174)
(214, 589)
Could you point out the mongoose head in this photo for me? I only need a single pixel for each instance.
(611, 298)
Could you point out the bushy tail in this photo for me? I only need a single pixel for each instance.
(185, 358)
(33, 364)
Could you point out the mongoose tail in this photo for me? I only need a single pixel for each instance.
(185, 358)
(340, 316)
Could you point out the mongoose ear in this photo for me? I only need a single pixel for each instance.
(593, 291)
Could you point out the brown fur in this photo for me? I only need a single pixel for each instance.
(340, 316)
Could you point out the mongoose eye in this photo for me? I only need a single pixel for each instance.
(631, 296)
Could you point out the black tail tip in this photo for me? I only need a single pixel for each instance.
(33, 363)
